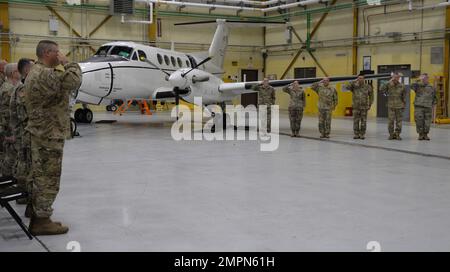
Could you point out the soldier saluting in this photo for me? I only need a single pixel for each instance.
(362, 101)
(423, 106)
(47, 90)
(266, 96)
(296, 106)
(328, 100)
(396, 94)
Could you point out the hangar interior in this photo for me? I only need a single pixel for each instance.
(128, 186)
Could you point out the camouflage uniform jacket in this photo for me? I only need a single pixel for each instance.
(266, 95)
(328, 98)
(19, 117)
(2, 79)
(396, 95)
(47, 93)
(297, 97)
(362, 95)
(5, 96)
(425, 95)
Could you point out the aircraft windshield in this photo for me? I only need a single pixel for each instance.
(122, 51)
(108, 53)
(103, 51)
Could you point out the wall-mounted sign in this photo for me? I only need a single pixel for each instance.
(367, 63)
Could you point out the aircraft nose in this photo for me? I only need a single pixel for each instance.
(97, 79)
(177, 80)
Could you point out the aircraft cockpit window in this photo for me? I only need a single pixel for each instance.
(166, 60)
(160, 59)
(174, 63)
(134, 56)
(180, 63)
(103, 51)
(142, 55)
(188, 64)
(123, 51)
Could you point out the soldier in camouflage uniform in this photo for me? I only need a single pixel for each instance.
(396, 94)
(328, 100)
(296, 106)
(2, 80)
(423, 106)
(9, 154)
(362, 101)
(47, 91)
(266, 96)
(24, 65)
(18, 122)
(2, 71)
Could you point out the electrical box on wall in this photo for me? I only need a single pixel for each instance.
(437, 55)
(53, 25)
(121, 7)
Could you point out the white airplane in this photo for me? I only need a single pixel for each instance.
(127, 70)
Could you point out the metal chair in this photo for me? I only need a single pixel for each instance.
(9, 191)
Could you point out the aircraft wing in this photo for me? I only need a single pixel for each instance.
(246, 87)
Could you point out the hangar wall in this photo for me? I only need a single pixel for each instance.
(332, 44)
(337, 58)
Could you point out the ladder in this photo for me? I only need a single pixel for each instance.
(441, 107)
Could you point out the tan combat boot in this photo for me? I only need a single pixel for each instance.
(45, 226)
(356, 136)
(362, 136)
(397, 136)
(29, 213)
(425, 137)
(391, 137)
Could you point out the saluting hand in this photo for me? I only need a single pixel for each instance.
(62, 58)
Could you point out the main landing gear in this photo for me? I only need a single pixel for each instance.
(84, 115)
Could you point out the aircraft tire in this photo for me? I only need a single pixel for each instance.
(79, 116)
(88, 116)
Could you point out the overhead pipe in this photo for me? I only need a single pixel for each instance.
(255, 3)
(275, 8)
(296, 4)
(440, 5)
(213, 6)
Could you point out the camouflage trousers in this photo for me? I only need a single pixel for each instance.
(267, 119)
(324, 122)
(359, 121)
(8, 159)
(2, 155)
(395, 116)
(295, 116)
(23, 164)
(423, 117)
(46, 167)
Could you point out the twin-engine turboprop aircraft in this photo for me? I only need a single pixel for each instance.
(127, 70)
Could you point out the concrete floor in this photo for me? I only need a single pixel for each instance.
(128, 186)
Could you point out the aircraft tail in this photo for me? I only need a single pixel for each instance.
(219, 44)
